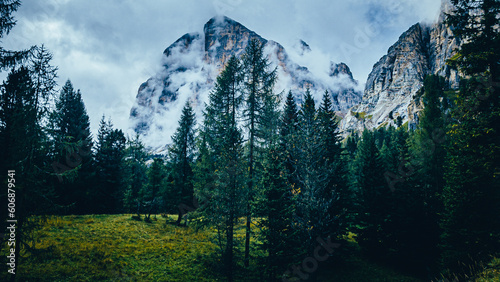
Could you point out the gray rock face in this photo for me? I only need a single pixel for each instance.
(191, 64)
(397, 76)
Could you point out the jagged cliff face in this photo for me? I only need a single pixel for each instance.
(397, 76)
(192, 63)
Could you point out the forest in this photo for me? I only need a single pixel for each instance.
(263, 186)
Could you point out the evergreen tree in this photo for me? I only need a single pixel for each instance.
(72, 149)
(332, 162)
(259, 115)
(222, 147)
(288, 132)
(426, 177)
(373, 199)
(109, 156)
(476, 23)
(277, 207)
(156, 175)
(23, 150)
(181, 161)
(317, 201)
(135, 173)
(10, 58)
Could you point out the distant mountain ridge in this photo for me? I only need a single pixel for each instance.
(191, 64)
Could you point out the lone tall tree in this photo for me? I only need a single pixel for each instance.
(259, 109)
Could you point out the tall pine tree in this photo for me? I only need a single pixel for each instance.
(181, 161)
(109, 163)
(223, 153)
(72, 145)
(259, 114)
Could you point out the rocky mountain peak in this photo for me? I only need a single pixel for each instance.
(341, 68)
(225, 37)
(399, 74)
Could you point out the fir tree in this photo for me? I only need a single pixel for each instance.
(373, 198)
(24, 147)
(288, 133)
(72, 149)
(222, 148)
(10, 58)
(259, 115)
(109, 156)
(181, 161)
(277, 207)
(135, 173)
(332, 163)
(156, 174)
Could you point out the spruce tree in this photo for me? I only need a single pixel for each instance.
(259, 115)
(276, 204)
(181, 162)
(373, 197)
(426, 163)
(332, 163)
(135, 174)
(23, 150)
(222, 148)
(476, 24)
(109, 156)
(10, 58)
(156, 175)
(288, 134)
(72, 150)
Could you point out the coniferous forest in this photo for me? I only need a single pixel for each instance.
(262, 187)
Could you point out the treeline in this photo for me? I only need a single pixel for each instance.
(425, 200)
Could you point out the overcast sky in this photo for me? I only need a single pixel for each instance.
(107, 48)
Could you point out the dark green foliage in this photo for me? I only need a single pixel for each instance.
(471, 215)
(109, 188)
(24, 146)
(320, 189)
(332, 162)
(471, 194)
(276, 205)
(373, 197)
(476, 24)
(72, 139)
(179, 192)
(260, 115)
(156, 175)
(10, 58)
(135, 174)
(222, 159)
(288, 131)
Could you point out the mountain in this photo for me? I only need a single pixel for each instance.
(192, 63)
(397, 76)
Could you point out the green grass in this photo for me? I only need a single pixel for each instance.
(118, 248)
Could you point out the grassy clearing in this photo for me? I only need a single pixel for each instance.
(118, 248)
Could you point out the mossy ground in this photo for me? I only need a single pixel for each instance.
(119, 248)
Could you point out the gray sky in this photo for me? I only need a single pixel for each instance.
(109, 47)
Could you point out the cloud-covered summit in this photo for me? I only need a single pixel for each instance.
(191, 64)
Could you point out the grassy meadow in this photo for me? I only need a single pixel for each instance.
(119, 248)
